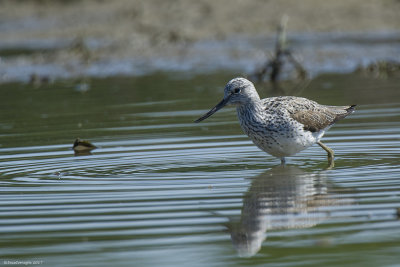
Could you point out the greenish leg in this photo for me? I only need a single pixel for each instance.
(331, 157)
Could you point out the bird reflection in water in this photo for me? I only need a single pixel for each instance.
(281, 198)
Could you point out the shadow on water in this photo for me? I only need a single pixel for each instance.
(284, 197)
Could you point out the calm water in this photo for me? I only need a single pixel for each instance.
(163, 191)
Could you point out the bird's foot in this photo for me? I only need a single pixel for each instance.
(331, 162)
(331, 156)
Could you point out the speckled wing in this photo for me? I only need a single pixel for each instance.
(320, 117)
(313, 116)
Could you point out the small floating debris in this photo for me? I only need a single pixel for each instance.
(82, 87)
(324, 242)
(37, 81)
(82, 147)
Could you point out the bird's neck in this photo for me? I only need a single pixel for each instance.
(251, 110)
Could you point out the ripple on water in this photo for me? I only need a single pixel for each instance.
(134, 199)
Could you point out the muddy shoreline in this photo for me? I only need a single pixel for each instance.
(62, 39)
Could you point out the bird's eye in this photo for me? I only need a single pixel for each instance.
(236, 91)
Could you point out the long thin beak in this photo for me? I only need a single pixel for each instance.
(214, 109)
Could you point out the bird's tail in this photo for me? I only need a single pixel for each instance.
(343, 111)
(351, 109)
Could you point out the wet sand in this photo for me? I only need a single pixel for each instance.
(73, 38)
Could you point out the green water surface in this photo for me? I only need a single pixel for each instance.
(161, 190)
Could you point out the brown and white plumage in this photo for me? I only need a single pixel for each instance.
(281, 126)
(313, 116)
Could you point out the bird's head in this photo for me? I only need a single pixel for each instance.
(237, 92)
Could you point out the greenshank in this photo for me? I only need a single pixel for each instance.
(281, 126)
